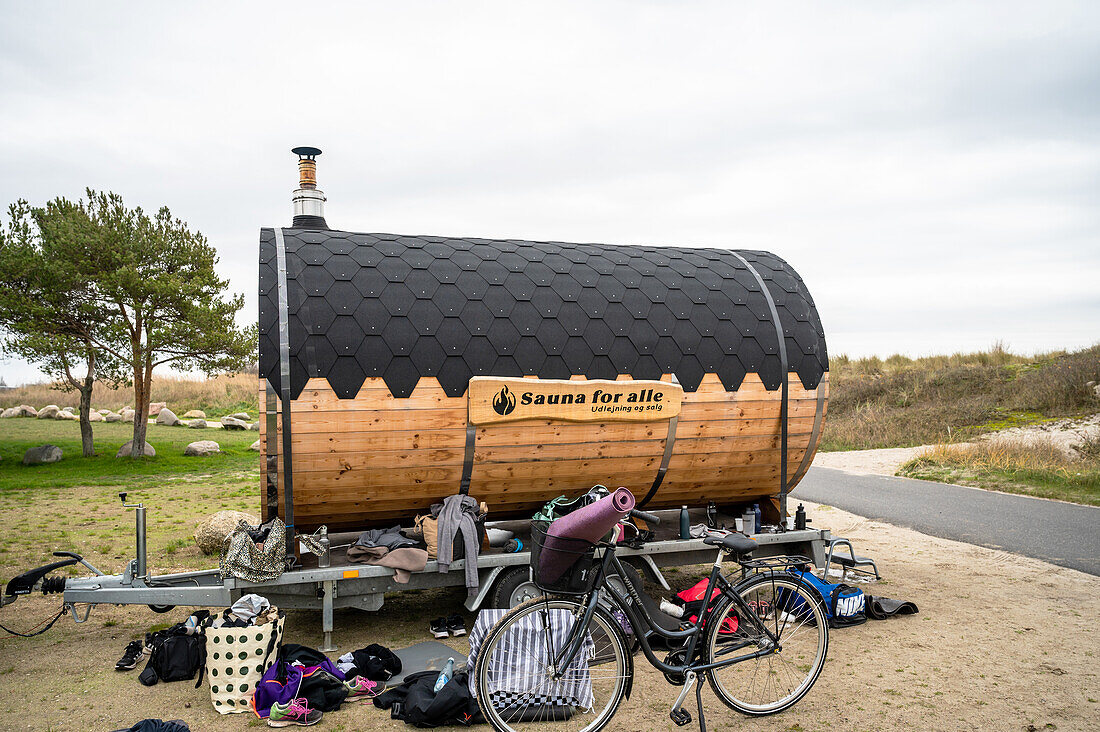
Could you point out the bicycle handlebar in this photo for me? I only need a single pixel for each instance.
(647, 517)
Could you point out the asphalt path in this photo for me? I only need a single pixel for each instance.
(1065, 534)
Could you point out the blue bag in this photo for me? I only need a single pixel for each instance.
(843, 604)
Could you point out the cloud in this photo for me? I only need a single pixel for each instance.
(931, 170)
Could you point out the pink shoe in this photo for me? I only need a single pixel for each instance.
(360, 688)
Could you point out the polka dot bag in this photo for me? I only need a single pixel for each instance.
(236, 658)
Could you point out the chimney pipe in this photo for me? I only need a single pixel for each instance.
(309, 203)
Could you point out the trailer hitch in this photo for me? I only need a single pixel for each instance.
(25, 583)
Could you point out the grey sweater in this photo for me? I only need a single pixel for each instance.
(458, 514)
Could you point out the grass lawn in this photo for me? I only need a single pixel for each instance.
(73, 504)
(1077, 482)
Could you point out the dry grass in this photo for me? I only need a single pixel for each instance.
(1035, 466)
(219, 395)
(904, 402)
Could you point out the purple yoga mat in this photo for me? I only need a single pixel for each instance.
(589, 523)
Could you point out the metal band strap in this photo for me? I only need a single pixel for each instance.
(468, 459)
(819, 415)
(670, 441)
(285, 391)
(271, 450)
(784, 387)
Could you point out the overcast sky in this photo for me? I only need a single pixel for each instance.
(932, 170)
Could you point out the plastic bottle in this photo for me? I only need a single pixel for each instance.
(672, 609)
(685, 523)
(756, 511)
(444, 675)
(324, 560)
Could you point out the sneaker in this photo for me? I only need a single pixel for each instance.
(456, 626)
(136, 652)
(439, 627)
(360, 688)
(295, 714)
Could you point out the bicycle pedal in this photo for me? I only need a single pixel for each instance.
(680, 716)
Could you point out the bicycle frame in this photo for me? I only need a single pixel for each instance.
(630, 604)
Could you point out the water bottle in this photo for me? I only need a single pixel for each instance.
(669, 608)
(748, 522)
(324, 560)
(800, 518)
(756, 517)
(444, 675)
(685, 523)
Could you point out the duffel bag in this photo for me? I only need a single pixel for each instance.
(843, 604)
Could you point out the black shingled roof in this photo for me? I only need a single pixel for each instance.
(402, 307)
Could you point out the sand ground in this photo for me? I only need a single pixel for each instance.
(1002, 642)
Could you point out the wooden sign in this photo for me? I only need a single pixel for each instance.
(494, 400)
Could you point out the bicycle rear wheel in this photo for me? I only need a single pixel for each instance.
(516, 687)
(778, 679)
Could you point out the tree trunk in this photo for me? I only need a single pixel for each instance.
(86, 442)
(141, 412)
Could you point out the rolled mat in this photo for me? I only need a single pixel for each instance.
(589, 523)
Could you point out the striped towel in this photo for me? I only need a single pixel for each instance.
(518, 668)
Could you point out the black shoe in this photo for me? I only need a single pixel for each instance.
(455, 625)
(439, 627)
(135, 653)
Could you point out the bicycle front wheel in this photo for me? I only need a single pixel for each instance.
(519, 685)
(788, 665)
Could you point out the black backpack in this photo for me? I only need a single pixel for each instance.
(176, 656)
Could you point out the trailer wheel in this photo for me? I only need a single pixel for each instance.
(162, 608)
(513, 587)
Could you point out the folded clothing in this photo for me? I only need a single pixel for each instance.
(404, 561)
(375, 662)
(390, 538)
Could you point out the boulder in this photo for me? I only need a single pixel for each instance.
(10, 412)
(48, 412)
(255, 446)
(210, 533)
(195, 414)
(124, 451)
(112, 417)
(243, 416)
(42, 455)
(232, 423)
(202, 447)
(255, 426)
(155, 407)
(96, 417)
(104, 412)
(166, 417)
(63, 415)
(128, 415)
(197, 424)
(26, 410)
(70, 410)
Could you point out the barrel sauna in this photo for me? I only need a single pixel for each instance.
(409, 368)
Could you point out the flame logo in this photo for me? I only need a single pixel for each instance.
(504, 402)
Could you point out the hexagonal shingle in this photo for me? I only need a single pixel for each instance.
(405, 307)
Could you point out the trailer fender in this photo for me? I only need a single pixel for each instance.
(485, 583)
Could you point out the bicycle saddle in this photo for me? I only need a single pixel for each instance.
(736, 543)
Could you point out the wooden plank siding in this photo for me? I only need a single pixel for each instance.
(376, 459)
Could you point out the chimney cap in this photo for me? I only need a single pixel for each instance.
(306, 153)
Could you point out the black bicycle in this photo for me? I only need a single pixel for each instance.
(567, 657)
